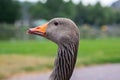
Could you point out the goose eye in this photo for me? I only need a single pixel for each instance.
(56, 23)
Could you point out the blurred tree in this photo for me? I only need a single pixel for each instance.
(118, 17)
(53, 8)
(9, 11)
(81, 14)
(80, 10)
(96, 15)
(67, 9)
(38, 10)
(46, 10)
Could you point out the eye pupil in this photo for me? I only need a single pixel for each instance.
(56, 23)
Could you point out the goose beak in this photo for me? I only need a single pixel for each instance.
(39, 30)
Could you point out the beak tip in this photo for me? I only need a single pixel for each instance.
(28, 31)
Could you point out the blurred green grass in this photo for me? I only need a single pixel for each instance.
(96, 51)
(99, 51)
(28, 56)
(42, 48)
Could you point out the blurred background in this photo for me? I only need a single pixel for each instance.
(98, 21)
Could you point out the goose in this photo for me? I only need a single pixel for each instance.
(65, 34)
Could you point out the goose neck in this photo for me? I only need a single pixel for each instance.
(65, 62)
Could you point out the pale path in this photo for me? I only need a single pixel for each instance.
(103, 72)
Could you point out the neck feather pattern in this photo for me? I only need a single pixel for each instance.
(65, 62)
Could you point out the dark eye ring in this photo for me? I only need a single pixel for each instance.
(56, 23)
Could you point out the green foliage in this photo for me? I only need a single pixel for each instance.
(67, 10)
(81, 14)
(9, 11)
(117, 16)
(38, 10)
(95, 15)
(53, 8)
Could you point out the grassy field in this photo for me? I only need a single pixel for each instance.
(28, 56)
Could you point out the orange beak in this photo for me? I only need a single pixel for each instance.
(40, 30)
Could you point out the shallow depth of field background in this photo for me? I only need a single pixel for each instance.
(23, 53)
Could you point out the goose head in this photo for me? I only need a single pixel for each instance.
(58, 30)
